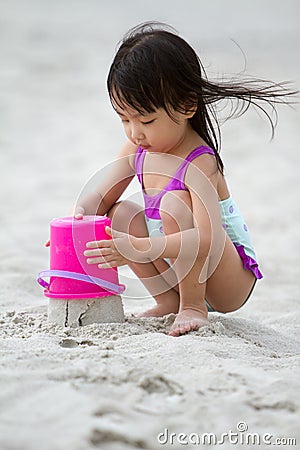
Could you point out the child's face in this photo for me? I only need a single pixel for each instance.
(156, 132)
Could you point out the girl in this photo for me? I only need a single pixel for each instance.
(190, 246)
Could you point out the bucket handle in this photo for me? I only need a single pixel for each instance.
(111, 287)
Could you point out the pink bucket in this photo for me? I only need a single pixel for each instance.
(70, 275)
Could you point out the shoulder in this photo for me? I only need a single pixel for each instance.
(205, 166)
(128, 151)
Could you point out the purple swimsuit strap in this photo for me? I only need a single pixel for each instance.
(177, 181)
(181, 171)
(139, 162)
(152, 203)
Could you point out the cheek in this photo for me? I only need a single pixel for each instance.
(169, 133)
(127, 131)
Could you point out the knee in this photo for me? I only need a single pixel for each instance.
(175, 211)
(128, 217)
(176, 214)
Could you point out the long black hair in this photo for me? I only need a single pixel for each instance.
(155, 68)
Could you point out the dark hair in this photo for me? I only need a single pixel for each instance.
(155, 68)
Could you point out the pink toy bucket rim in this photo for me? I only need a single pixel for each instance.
(73, 222)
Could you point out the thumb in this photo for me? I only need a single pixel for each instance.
(78, 212)
(108, 231)
(113, 233)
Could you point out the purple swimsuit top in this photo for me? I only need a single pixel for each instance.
(152, 202)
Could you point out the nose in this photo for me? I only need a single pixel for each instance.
(136, 133)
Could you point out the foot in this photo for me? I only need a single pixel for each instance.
(161, 309)
(188, 320)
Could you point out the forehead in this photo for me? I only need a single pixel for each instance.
(128, 111)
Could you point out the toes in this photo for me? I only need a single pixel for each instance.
(175, 330)
(181, 328)
(195, 325)
(185, 327)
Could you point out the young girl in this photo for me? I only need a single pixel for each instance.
(190, 245)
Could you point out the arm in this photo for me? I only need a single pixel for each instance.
(114, 179)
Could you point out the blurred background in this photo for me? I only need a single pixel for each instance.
(58, 128)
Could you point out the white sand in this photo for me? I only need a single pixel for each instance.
(117, 386)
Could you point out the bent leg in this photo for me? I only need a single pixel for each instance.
(177, 216)
(225, 286)
(128, 217)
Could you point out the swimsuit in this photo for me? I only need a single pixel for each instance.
(232, 220)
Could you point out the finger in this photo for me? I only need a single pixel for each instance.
(109, 263)
(102, 259)
(108, 231)
(117, 262)
(98, 252)
(97, 244)
(79, 212)
(114, 233)
(98, 260)
(106, 265)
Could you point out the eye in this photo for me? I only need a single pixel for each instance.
(148, 122)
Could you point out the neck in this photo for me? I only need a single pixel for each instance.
(189, 141)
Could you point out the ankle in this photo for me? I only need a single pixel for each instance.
(201, 309)
(170, 296)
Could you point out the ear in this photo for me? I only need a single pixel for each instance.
(190, 110)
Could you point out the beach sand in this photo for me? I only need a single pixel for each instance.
(118, 386)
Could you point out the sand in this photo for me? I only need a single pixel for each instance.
(120, 386)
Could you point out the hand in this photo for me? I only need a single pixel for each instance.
(106, 254)
(116, 252)
(78, 212)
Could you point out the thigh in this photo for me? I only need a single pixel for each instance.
(230, 284)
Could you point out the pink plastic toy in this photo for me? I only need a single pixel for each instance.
(70, 275)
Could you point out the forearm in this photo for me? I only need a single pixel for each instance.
(95, 204)
(111, 181)
(91, 204)
(185, 243)
(101, 200)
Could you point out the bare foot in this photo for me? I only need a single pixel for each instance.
(188, 320)
(161, 309)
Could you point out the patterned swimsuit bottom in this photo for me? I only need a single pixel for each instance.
(232, 219)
